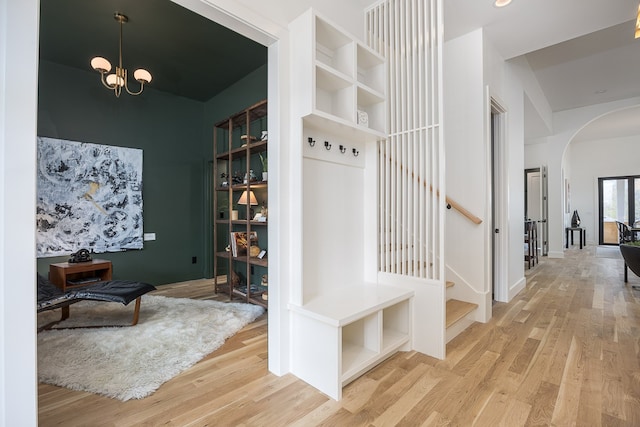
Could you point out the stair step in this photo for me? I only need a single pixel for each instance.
(457, 310)
(450, 284)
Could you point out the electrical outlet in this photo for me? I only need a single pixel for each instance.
(194, 260)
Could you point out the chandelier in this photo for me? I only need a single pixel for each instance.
(116, 81)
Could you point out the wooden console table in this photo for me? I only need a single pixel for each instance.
(67, 275)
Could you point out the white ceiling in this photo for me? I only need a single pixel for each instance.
(582, 52)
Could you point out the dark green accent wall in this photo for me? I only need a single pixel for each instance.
(175, 136)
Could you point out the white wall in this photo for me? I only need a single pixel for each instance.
(18, 93)
(471, 64)
(465, 152)
(596, 159)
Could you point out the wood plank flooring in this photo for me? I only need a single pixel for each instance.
(564, 352)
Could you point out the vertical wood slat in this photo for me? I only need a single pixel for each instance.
(407, 33)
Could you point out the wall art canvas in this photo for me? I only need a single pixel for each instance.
(89, 196)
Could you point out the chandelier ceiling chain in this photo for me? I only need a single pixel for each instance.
(116, 81)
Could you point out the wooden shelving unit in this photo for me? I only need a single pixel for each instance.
(238, 152)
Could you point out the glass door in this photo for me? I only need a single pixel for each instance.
(619, 200)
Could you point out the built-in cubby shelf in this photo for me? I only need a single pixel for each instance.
(347, 79)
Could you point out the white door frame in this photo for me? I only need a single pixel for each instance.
(497, 259)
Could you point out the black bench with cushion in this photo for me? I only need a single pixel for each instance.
(123, 291)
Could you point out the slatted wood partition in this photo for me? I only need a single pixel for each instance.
(408, 33)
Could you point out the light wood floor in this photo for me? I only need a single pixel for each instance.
(564, 352)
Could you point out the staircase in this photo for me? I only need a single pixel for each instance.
(458, 315)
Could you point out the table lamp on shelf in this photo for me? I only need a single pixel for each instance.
(250, 200)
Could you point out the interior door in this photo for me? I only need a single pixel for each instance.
(536, 203)
(544, 224)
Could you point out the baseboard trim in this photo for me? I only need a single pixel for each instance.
(554, 254)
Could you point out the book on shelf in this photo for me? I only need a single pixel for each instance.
(240, 242)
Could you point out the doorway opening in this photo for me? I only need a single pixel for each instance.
(535, 204)
(618, 201)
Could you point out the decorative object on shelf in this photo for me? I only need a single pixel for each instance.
(240, 243)
(575, 219)
(355, 152)
(343, 148)
(363, 118)
(250, 178)
(327, 145)
(225, 181)
(264, 211)
(248, 139)
(254, 251)
(264, 136)
(237, 178)
(119, 80)
(311, 141)
(234, 215)
(235, 279)
(261, 255)
(265, 166)
(249, 199)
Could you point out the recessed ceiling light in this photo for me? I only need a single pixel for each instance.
(501, 3)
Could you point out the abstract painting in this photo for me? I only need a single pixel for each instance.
(89, 196)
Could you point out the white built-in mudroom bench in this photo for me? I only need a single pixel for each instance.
(343, 323)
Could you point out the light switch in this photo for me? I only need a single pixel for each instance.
(149, 236)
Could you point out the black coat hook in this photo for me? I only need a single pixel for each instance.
(355, 152)
(342, 148)
(311, 141)
(327, 145)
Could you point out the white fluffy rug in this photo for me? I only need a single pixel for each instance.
(132, 362)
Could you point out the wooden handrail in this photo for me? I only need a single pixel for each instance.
(455, 205)
(450, 202)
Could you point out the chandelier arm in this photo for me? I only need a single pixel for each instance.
(104, 82)
(126, 86)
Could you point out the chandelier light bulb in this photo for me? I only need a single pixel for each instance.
(142, 75)
(100, 64)
(113, 80)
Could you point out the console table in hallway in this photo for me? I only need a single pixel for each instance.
(582, 232)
